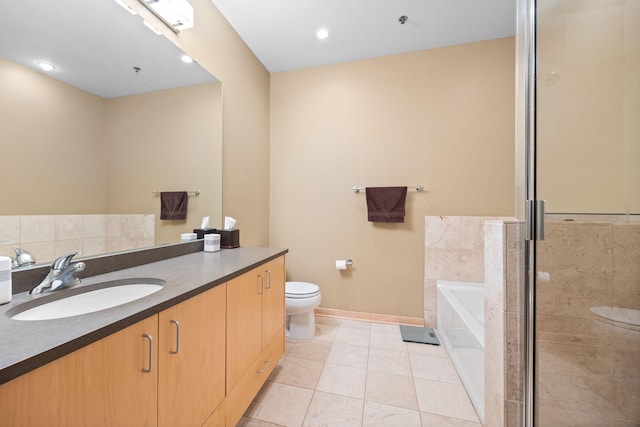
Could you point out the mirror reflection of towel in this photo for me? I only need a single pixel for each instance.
(386, 204)
(173, 204)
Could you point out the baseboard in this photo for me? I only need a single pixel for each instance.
(371, 317)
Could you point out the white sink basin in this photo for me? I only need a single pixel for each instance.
(88, 302)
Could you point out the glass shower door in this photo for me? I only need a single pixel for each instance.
(587, 168)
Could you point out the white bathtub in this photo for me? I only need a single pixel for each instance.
(460, 312)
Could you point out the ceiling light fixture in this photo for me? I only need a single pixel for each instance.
(186, 59)
(45, 66)
(322, 33)
(175, 14)
(125, 7)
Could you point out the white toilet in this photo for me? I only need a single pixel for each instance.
(300, 300)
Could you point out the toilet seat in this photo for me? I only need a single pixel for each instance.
(300, 290)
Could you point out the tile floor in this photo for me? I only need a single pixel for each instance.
(361, 374)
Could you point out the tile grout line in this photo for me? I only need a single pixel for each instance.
(366, 378)
(415, 389)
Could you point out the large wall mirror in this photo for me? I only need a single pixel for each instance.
(86, 145)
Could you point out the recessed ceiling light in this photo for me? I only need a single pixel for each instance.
(187, 59)
(322, 33)
(45, 66)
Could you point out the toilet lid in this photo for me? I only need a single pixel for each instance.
(301, 289)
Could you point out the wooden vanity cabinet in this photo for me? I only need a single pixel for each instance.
(191, 366)
(255, 333)
(102, 384)
(198, 363)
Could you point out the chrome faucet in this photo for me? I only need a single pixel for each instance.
(22, 258)
(61, 275)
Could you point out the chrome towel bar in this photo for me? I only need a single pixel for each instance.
(190, 193)
(357, 189)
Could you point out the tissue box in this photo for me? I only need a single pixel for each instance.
(229, 239)
(200, 232)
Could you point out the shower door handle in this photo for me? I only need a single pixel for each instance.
(535, 219)
(540, 219)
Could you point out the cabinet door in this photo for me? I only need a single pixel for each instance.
(273, 300)
(192, 359)
(244, 323)
(102, 384)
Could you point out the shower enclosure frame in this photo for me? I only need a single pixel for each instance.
(533, 209)
(548, 35)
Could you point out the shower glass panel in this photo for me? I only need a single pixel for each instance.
(587, 311)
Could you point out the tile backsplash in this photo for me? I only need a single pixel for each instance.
(49, 236)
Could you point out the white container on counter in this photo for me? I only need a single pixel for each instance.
(211, 242)
(5, 280)
(188, 237)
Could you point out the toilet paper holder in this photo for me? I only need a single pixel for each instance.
(343, 264)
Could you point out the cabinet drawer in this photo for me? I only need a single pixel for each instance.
(240, 397)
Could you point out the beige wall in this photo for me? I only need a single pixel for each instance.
(442, 118)
(52, 145)
(166, 141)
(588, 110)
(217, 47)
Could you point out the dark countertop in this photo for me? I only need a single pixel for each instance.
(27, 345)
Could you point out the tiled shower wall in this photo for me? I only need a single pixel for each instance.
(588, 371)
(49, 236)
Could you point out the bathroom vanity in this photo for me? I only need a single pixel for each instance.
(192, 354)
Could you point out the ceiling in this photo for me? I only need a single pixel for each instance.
(281, 33)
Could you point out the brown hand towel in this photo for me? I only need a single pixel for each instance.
(386, 204)
(173, 204)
